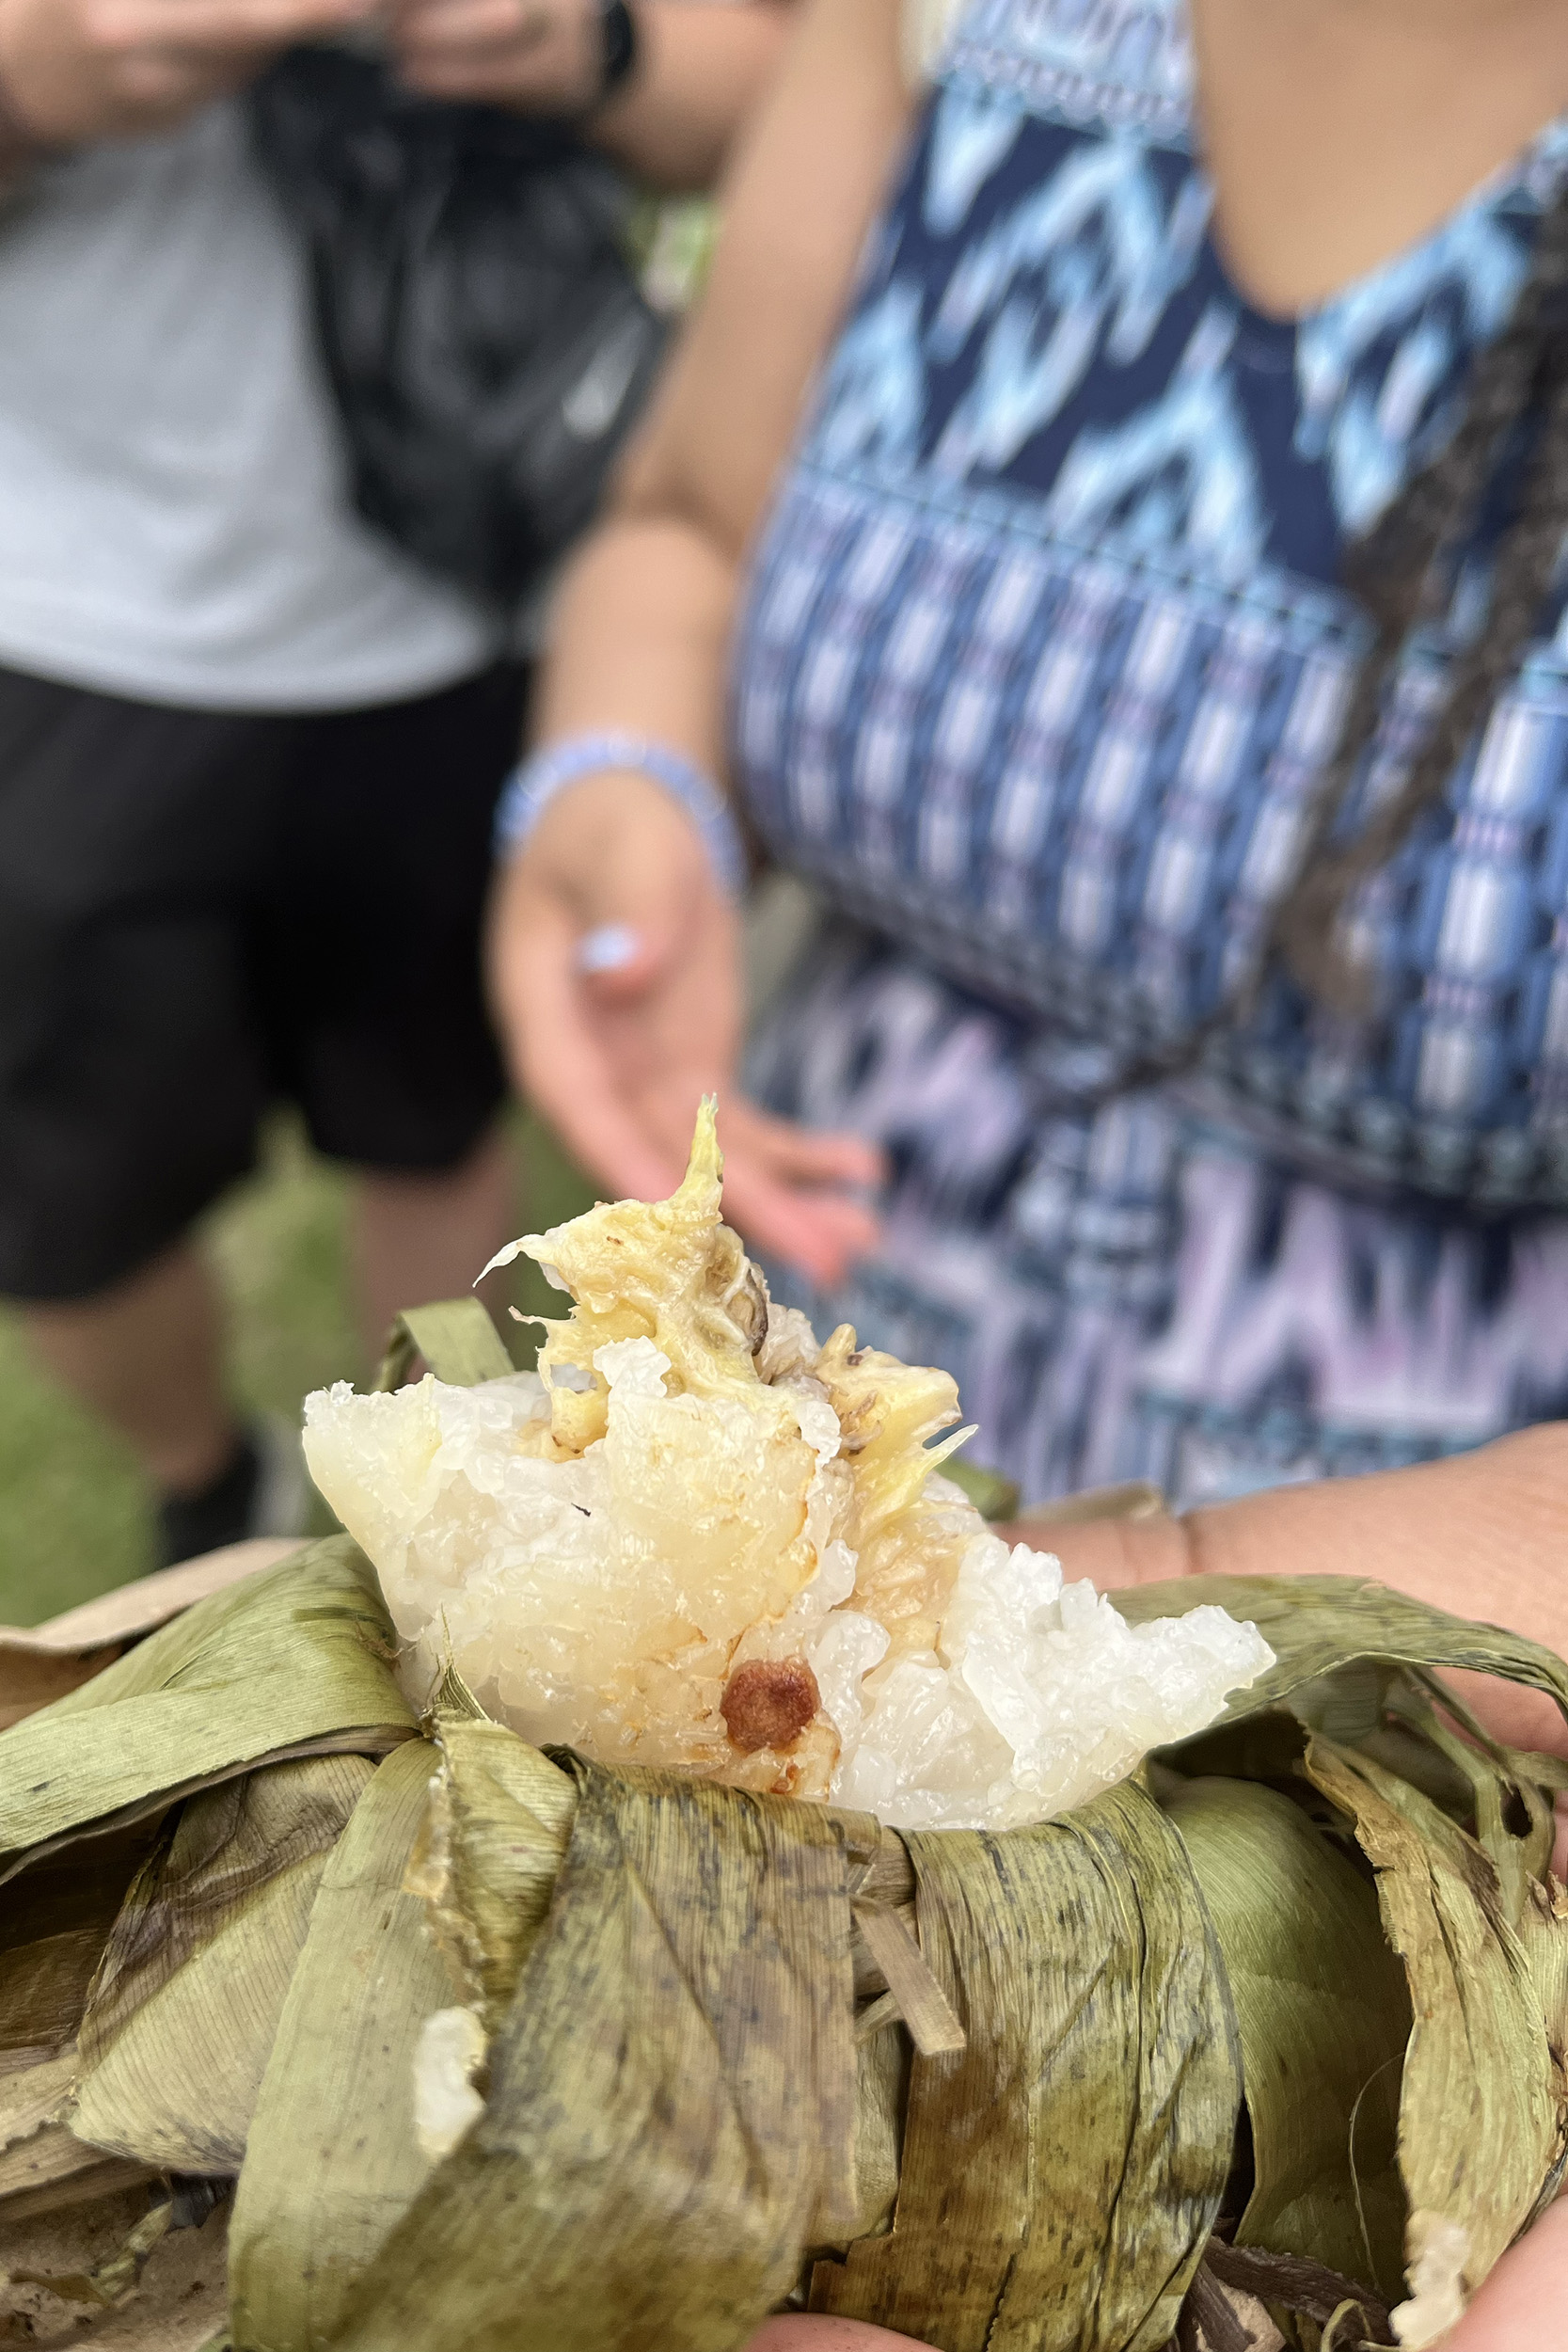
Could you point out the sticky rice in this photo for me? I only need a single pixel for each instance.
(699, 1539)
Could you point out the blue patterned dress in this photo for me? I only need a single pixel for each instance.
(1042, 656)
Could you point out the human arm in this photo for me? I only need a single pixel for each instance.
(74, 71)
(617, 1059)
(1484, 1535)
(700, 70)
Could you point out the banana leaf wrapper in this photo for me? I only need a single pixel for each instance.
(677, 2106)
(455, 1338)
(296, 1661)
(183, 2010)
(1324, 2015)
(1354, 1733)
(157, 1724)
(146, 1933)
(711, 2085)
(333, 2163)
(40, 1663)
(1100, 2058)
(43, 2166)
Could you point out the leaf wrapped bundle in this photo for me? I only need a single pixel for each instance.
(1283, 2012)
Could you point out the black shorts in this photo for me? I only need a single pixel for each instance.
(203, 914)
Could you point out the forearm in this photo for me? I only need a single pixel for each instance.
(701, 71)
(642, 631)
(1483, 1535)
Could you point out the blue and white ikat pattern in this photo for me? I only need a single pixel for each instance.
(1043, 656)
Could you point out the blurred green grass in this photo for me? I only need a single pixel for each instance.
(73, 1508)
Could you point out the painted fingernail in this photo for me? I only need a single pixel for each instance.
(607, 949)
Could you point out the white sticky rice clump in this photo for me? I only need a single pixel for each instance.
(696, 1487)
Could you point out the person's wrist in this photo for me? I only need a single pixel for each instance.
(580, 785)
(618, 805)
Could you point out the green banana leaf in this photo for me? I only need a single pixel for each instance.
(184, 2009)
(455, 1336)
(488, 1855)
(1504, 1805)
(43, 2166)
(671, 2093)
(332, 2164)
(1324, 2016)
(994, 1496)
(679, 2097)
(54, 1922)
(294, 1662)
(1061, 2174)
(1480, 2119)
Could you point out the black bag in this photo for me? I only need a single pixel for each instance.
(483, 334)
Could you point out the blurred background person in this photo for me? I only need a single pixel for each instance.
(1153, 651)
(248, 751)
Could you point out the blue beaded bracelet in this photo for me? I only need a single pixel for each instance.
(531, 788)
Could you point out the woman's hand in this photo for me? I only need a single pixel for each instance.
(537, 55)
(615, 974)
(75, 71)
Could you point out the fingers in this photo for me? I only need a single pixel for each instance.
(631, 865)
(578, 1059)
(820, 1234)
(804, 1154)
(561, 1061)
(784, 1187)
(615, 977)
(1523, 2307)
(791, 1192)
(620, 959)
(213, 25)
(634, 1137)
(528, 53)
(159, 86)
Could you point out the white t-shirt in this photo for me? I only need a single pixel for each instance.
(174, 520)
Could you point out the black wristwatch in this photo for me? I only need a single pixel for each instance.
(619, 55)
